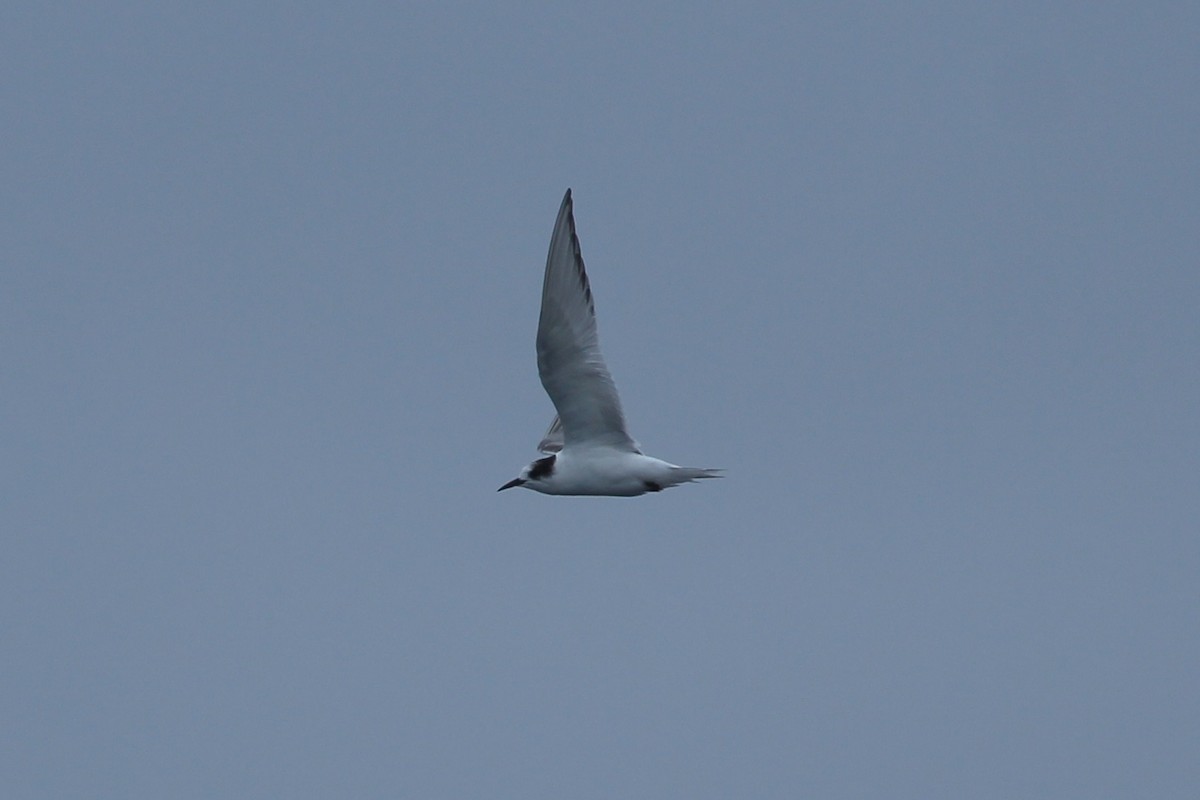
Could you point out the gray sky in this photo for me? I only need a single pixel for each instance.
(925, 279)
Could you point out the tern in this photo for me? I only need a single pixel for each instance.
(588, 448)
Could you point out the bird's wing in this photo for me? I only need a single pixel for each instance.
(572, 369)
(552, 442)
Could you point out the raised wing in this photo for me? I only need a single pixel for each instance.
(572, 369)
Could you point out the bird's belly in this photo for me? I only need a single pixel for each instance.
(618, 477)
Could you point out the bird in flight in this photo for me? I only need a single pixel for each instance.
(588, 449)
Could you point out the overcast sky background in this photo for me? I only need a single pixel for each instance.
(924, 278)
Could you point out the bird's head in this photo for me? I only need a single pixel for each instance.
(533, 476)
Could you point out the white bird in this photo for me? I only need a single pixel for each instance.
(589, 448)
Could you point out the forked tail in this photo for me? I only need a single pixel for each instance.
(689, 474)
